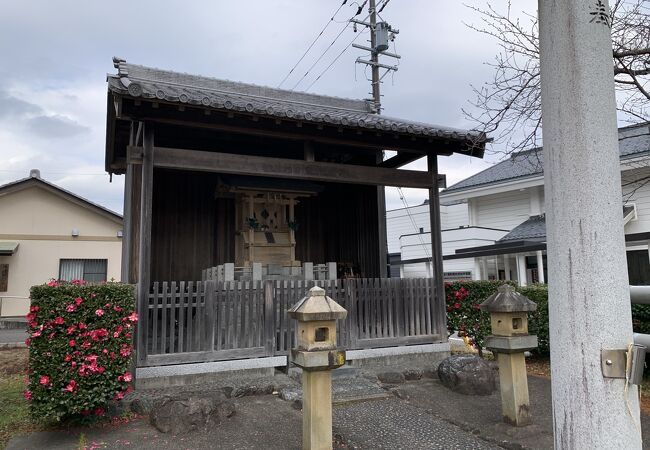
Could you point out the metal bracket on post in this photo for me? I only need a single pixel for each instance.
(613, 362)
(623, 363)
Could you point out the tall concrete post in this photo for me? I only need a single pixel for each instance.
(589, 305)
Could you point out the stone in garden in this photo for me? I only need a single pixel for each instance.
(184, 413)
(413, 374)
(467, 374)
(392, 377)
(291, 394)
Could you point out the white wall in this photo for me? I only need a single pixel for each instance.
(504, 211)
(398, 223)
(638, 193)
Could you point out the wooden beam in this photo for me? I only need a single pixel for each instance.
(401, 159)
(183, 159)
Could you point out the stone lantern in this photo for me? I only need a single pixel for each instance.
(317, 355)
(509, 340)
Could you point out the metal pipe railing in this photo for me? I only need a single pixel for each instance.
(640, 295)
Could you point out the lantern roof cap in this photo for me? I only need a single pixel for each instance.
(506, 299)
(317, 306)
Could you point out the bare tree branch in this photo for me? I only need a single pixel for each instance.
(508, 107)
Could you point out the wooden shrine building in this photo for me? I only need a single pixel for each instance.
(221, 172)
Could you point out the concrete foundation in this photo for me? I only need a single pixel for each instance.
(427, 355)
(423, 356)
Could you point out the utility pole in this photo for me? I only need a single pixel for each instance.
(374, 57)
(589, 299)
(379, 37)
(380, 34)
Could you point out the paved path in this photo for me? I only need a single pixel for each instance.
(266, 422)
(417, 415)
(395, 424)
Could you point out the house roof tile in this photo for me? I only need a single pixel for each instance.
(633, 141)
(164, 85)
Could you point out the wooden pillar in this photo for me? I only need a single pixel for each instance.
(381, 223)
(144, 262)
(127, 232)
(440, 318)
(292, 233)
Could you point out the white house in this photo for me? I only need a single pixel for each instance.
(47, 232)
(504, 235)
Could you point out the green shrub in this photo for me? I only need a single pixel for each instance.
(538, 320)
(463, 314)
(80, 347)
(464, 317)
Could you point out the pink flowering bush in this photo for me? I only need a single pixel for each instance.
(80, 347)
(463, 313)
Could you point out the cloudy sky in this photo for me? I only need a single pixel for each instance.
(57, 54)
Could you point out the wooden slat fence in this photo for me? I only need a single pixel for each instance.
(210, 321)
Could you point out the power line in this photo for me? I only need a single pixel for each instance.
(312, 43)
(408, 212)
(329, 47)
(334, 60)
(321, 56)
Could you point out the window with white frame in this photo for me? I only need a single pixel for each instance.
(90, 270)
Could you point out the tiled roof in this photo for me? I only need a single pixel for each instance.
(633, 141)
(175, 87)
(534, 229)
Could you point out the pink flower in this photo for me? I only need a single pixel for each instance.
(82, 326)
(44, 380)
(34, 308)
(127, 377)
(125, 351)
(71, 386)
(28, 395)
(70, 308)
(58, 321)
(133, 317)
(36, 333)
(99, 411)
(72, 343)
(78, 301)
(28, 341)
(99, 334)
(119, 396)
(99, 312)
(85, 345)
(78, 282)
(72, 329)
(52, 283)
(67, 358)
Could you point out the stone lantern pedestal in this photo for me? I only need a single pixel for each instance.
(317, 355)
(509, 340)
